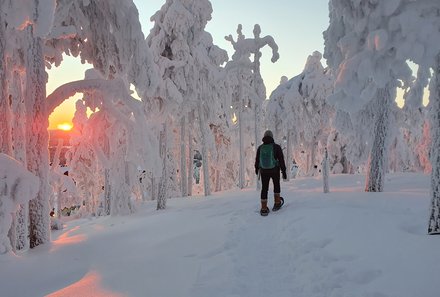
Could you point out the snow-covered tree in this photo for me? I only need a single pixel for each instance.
(19, 229)
(418, 42)
(298, 111)
(37, 139)
(410, 147)
(27, 24)
(108, 35)
(188, 63)
(213, 101)
(82, 160)
(249, 91)
(360, 47)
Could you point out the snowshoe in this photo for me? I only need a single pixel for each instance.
(264, 211)
(278, 206)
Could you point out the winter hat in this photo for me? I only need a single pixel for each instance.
(268, 133)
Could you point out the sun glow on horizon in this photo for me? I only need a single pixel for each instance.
(65, 126)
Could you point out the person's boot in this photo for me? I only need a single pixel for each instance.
(278, 202)
(264, 209)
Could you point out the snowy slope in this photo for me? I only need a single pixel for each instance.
(345, 243)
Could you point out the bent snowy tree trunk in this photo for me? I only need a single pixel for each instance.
(37, 140)
(434, 219)
(378, 155)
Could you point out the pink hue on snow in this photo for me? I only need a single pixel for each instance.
(68, 239)
(89, 286)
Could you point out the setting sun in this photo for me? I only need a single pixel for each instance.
(65, 126)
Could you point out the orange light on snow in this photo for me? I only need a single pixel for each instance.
(89, 286)
(67, 238)
(65, 126)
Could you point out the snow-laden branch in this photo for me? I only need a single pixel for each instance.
(110, 88)
(245, 46)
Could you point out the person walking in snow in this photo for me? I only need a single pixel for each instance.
(269, 162)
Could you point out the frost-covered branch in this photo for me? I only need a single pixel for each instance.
(111, 88)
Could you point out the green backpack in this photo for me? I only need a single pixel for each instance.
(267, 156)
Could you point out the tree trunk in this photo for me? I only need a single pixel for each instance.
(218, 185)
(37, 140)
(313, 148)
(163, 185)
(325, 172)
(240, 132)
(21, 220)
(183, 169)
(5, 105)
(288, 153)
(434, 219)
(205, 158)
(257, 136)
(107, 183)
(190, 153)
(119, 180)
(5, 118)
(378, 155)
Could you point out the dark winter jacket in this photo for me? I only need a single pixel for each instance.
(278, 152)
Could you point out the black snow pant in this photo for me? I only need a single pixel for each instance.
(266, 175)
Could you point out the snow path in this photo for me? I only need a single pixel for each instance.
(301, 251)
(341, 244)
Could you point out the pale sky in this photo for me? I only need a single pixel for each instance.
(296, 26)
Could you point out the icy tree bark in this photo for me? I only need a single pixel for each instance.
(206, 178)
(107, 183)
(378, 155)
(163, 185)
(218, 185)
(183, 168)
(37, 140)
(434, 219)
(325, 172)
(5, 113)
(21, 220)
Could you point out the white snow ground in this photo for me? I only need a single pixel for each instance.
(341, 244)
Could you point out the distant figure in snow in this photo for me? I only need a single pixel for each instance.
(268, 163)
(294, 169)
